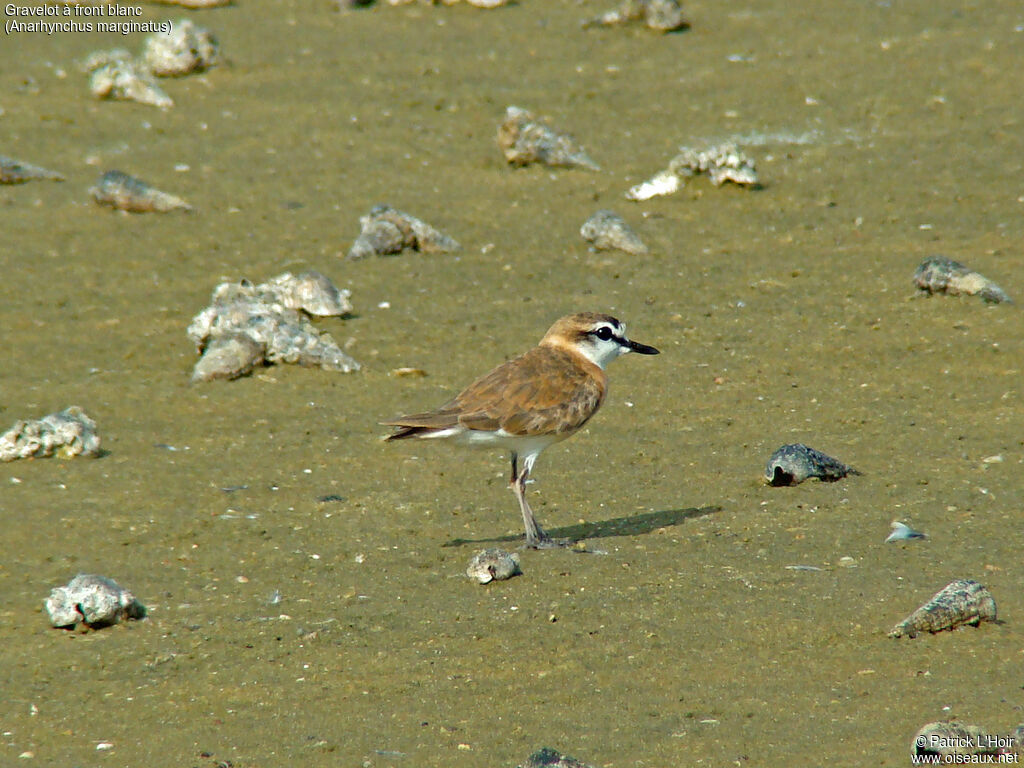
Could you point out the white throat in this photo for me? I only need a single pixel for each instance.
(600, 353)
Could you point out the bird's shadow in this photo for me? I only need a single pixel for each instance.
(633, 525)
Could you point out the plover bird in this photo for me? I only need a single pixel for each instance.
(532, 401)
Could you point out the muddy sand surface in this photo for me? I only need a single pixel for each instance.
(285, 629)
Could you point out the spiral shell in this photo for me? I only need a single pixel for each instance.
(961, 602)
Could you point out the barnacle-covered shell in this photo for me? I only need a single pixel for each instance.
(16, 172)
(523, 141)
(659, 15)
(794, 463)
(386, 230)
(94, 600)
(722, 163)
(937, 274)
(546, 757)
(275, 331)
(229, 356)
(493, 565)
(310, 291)
(188, 48)
(65, 433)
(606, 229)
(116, 75)
(949, 738)
(128, 193)
(961, 602)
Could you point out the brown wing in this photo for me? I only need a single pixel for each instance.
(544, 391)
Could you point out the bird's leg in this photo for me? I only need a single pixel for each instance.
(535, 536)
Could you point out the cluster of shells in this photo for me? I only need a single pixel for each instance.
(119, 76)
(720, 163)
(248, 325)
(65, 433)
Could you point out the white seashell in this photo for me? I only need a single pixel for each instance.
(93, 600)
(662, 183)
(493, 565)
(66, 433)
(188, 48)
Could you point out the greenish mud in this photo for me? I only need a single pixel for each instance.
(285, 630)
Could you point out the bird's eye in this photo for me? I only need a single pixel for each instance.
(604, 333)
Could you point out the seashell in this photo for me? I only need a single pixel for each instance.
(960, 602)
(903, 532)
(188, 48)
(937, 274)
(794, 463)
(278, 331)
(546, 757)
(229, 356)
(386, 230)
(662, 183)
(524, 141)
(65, 433)
(310, 291)
(16, 172)
(951, 738)
(659, 15)
(722, 163)
(115, 75)
(606, 229)
(493, 565)
(127, 193)
(95, 601)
